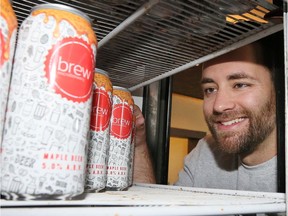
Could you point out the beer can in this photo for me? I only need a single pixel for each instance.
(132, 153)
(8, 32)
(98, 146)
(120, 139)
(45, 137)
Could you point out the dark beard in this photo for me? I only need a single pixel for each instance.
(261, 124)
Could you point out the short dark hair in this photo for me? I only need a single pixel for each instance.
(270, 53)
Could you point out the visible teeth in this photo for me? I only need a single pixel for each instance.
(233, 121)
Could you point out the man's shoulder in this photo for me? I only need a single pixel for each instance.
(203, 149)
(210, 167)
(208, 153)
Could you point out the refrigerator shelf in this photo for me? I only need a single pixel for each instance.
(150, 199)
(140, 42)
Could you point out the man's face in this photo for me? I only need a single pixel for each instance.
(239, 101)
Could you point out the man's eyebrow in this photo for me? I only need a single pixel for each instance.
(206, 80)
(239, 75)
(234, 76)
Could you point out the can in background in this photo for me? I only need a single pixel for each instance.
(96, 169)
(120, 140)
(8, 32)
(132, 153)
(46, 130)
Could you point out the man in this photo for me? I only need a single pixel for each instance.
(240, 109)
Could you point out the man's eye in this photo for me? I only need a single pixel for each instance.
(209, 91)
(240, 85)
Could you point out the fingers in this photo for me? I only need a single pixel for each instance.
(137, 112)
(140, 121)
(140, 133)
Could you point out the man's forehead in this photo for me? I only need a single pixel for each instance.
(245, 53)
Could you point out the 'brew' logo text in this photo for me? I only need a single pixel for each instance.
(74, 69)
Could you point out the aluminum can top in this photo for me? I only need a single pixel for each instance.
(101, 71)
(64, 8)
(120, 88)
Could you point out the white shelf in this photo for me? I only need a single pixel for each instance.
(145, 199)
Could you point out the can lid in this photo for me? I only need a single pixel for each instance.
(120, 88)
(98, 70)
(64, 8)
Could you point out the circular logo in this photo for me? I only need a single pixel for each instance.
(121, 121)
(101, 110)
(69, 68)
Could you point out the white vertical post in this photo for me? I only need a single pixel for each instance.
(285, 21)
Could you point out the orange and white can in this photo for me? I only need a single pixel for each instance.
(132, 153)
(8, 32)
(121, 126)
(48, 114)
(98, 147)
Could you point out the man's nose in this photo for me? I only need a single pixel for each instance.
(223, 101)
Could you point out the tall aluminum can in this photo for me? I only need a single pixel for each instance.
(98, 147)
(132, 153)
(46, 130)
(8, 32)
(121, 125)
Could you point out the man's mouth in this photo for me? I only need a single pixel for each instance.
(231, 122)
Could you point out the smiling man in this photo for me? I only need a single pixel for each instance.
(239, 105)
(240, 110)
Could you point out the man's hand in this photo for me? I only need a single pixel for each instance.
(143, 169)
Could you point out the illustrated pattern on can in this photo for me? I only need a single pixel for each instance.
(120, 140)
(96, 173)
(48, 114)
(8, 31)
